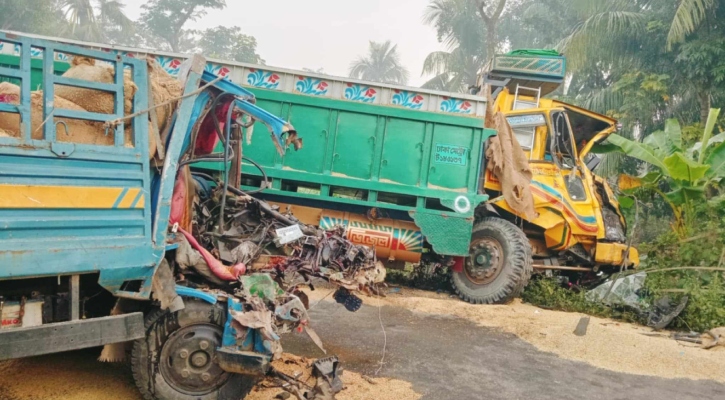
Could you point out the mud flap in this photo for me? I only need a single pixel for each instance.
(164, 288)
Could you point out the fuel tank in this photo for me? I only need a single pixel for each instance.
(392, 239)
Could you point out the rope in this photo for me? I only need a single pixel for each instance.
(114, 122)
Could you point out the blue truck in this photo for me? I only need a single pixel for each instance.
(89, 244)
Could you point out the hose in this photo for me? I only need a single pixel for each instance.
(264, 176)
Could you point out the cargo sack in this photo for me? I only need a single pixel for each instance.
(164, 87)
(78, 131)
(508, 162)
(84, 68)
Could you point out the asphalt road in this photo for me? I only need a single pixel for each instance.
(452, 358)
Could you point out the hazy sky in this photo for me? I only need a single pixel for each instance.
(326, 34)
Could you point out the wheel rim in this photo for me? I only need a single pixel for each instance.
(485, 261)
(187, 360)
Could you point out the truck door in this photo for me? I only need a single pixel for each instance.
(570, 182)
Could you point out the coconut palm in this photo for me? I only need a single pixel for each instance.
(91, 20)
(462, 32)
(382, 64)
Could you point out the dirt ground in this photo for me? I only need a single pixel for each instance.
(608, 344)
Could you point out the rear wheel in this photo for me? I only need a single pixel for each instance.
(499, 264)
(176, 359)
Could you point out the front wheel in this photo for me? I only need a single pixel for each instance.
(176, 359)
(499, 264)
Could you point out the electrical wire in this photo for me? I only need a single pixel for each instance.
(265, 180)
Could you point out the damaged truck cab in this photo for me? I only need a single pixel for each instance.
(96, 201)
(578, 224)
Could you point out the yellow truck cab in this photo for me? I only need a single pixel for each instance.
(578, 225)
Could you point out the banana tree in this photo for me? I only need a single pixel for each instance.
(687, 172)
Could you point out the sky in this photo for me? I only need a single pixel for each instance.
(326, 34)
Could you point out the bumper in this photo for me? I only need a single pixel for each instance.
(613, 254)
(70, 335)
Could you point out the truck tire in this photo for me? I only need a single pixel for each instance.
(175, 361)
(499, 264)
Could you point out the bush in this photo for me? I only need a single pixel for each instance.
(548, 293)
(706, 289)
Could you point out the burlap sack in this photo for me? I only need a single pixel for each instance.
(164, 87)
(78, 131)
(508, 162)
(94, 100)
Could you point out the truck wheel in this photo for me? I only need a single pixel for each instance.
(176, 359)
(499, 264)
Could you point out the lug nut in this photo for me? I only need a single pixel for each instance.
(205, 377)
(183, 353)
(185, 373)
(204, 345)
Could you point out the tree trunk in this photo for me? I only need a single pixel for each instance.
(174, 43)
(704, 98)
(490, 40)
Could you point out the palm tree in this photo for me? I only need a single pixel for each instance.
(382, 64)
(463, 33)
(453, 71)
(688, 16)
(91, 20)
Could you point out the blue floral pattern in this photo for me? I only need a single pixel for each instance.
(263, 79)
(408, 99)
(171, 65)
(451, 105)
(313, 86)
(362, 93)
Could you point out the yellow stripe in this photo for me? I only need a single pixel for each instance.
(128, 200)
(37, 196)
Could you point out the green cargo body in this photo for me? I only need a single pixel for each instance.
(424, 165)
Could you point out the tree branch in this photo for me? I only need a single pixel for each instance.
(496, 13)
(499, 10)
(482, 11)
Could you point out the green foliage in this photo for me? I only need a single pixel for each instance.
(463, 34)
(687, 177)
(33, 16)
(705, 289)
(382, 64)
(548, 293)
(165, 19)
(229, 44)
(689, 15)
(97, 21)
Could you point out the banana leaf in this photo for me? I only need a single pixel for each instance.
(716, 161)
(638, 150)
(682, 168)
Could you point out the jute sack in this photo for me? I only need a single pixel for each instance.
(85, 68)
(164, 87)
(78, 131)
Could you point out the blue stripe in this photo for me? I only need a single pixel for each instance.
(120, 198)
(138, 197)
(551, 191)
